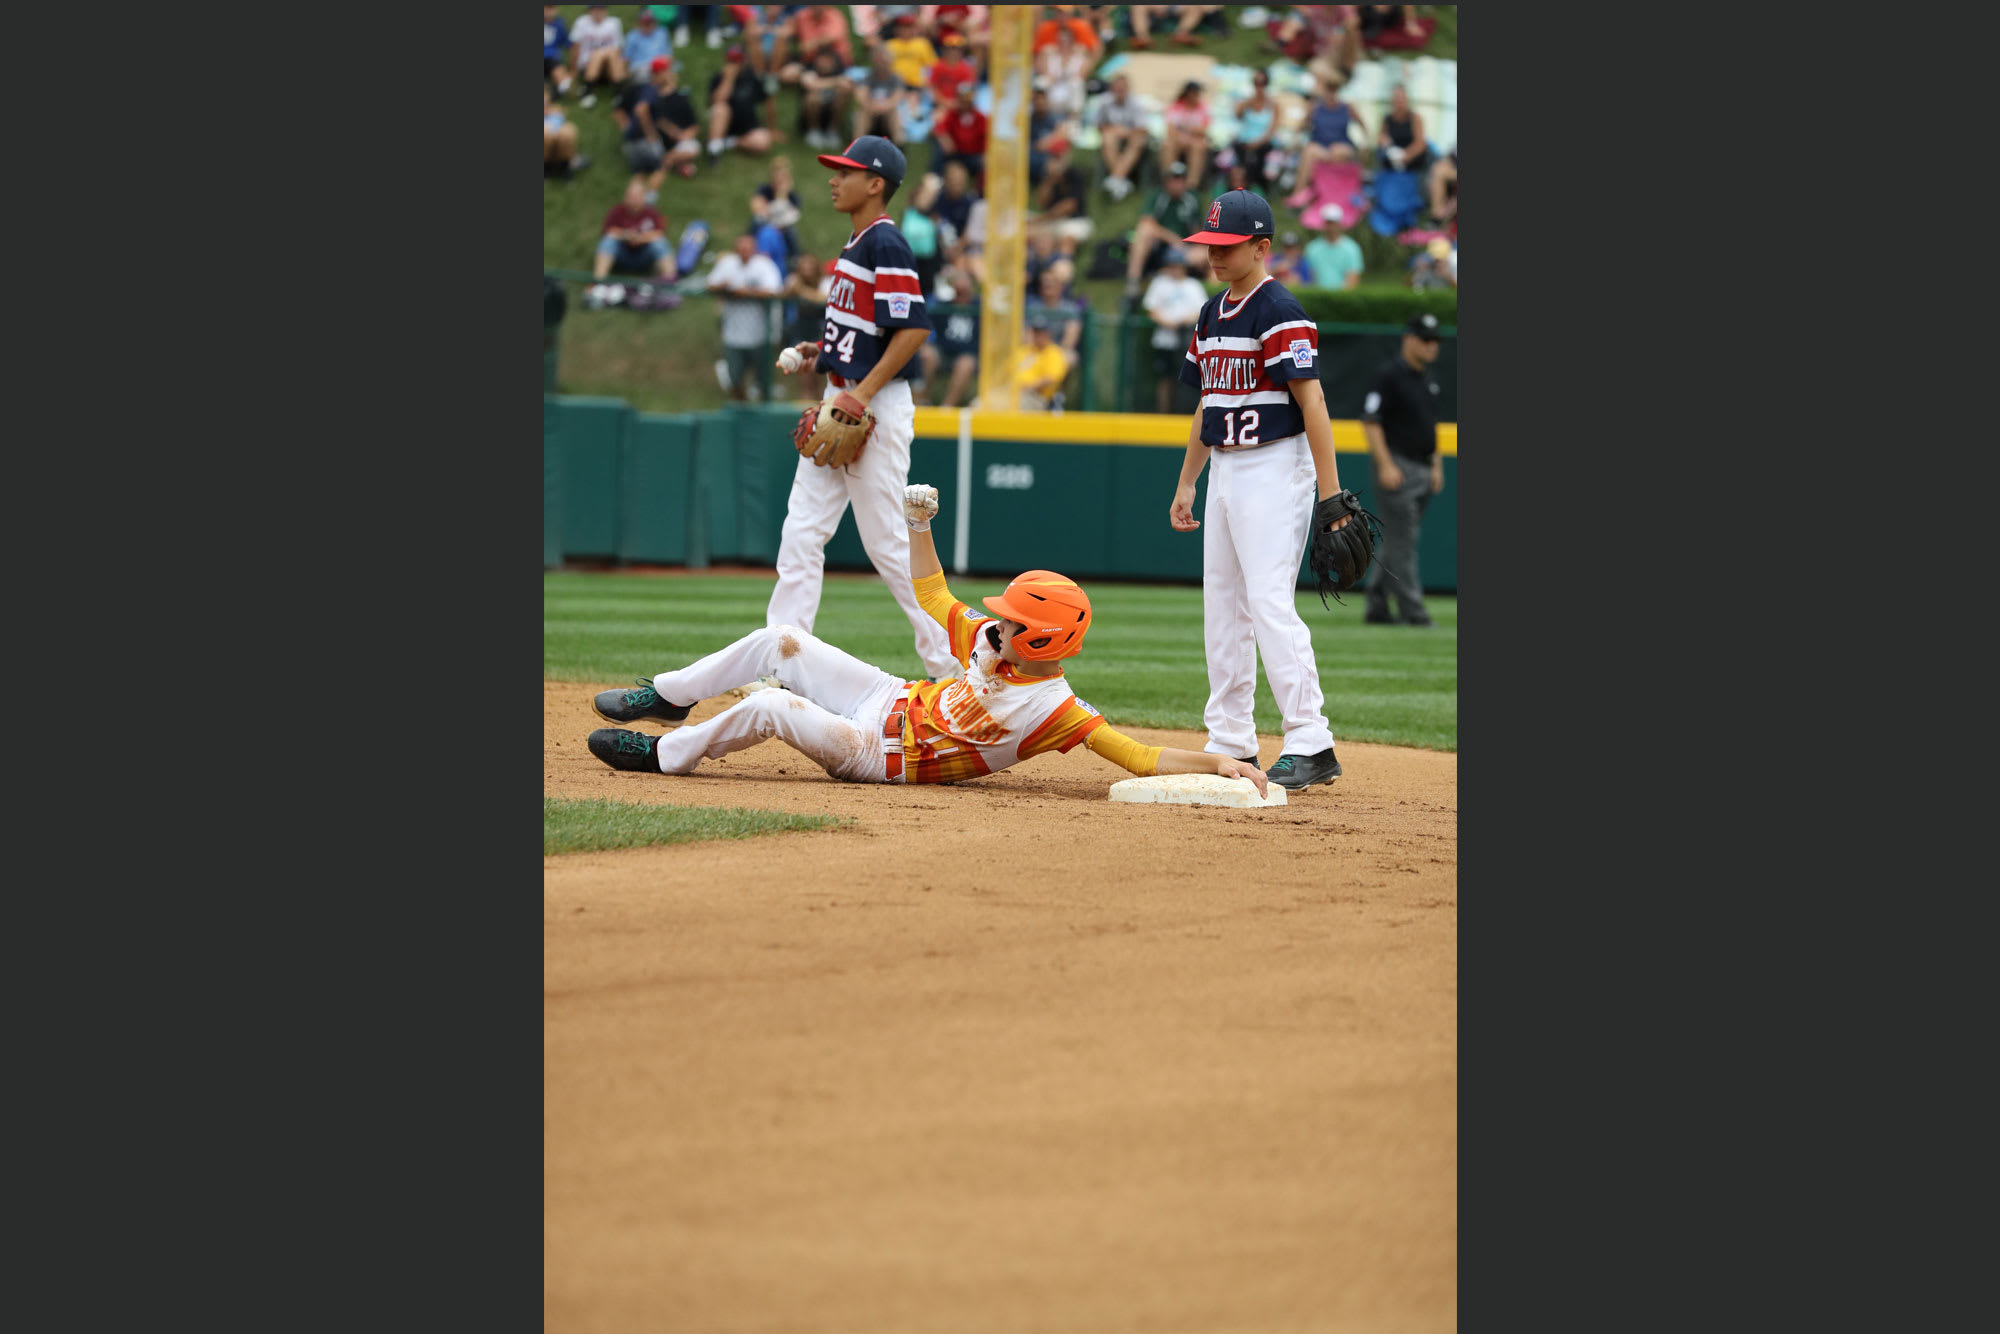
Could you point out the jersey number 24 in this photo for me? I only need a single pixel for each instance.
(845, 346)
(1248, 434)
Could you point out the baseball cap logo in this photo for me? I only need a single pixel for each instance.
(1215, 214)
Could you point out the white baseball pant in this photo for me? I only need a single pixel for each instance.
(829, 706)
(1254, 529)
(874, 483)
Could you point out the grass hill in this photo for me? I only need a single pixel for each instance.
(664, 362)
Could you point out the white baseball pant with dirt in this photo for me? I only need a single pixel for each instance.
(874, 484)
(830, 705)
(1254, 528)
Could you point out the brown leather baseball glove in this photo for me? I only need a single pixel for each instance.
(834, 431)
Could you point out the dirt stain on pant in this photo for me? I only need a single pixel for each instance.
(788, 647)
(844, 747)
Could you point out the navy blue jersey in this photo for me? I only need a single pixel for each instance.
(874, 293)
(959, 333)
(1240, 358)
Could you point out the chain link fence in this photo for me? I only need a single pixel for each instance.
(659, 346)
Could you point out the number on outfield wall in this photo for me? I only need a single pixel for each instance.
(1248, 435)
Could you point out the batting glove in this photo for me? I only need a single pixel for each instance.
(920, 504)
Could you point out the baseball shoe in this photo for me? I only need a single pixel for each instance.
(1250, 760)
(620, 749)
(629, 706)
(1296, 771)
(1421, 620)
(1378, 618)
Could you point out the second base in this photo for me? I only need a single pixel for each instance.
(1196, 790)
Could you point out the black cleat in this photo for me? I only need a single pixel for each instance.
(1378, 618)
(1293, 772)
(629, 706)
(626, 750)
(1250, 760)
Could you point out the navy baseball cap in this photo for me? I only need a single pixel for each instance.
(1236, 216)
(871, 152)
(1423, 326)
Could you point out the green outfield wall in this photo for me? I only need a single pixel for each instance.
(1083, 493)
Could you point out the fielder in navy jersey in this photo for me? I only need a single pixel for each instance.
(1241, 356)
(1263, 426)
(874, 293)
(875, 322)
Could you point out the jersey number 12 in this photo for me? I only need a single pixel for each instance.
(1248, 435)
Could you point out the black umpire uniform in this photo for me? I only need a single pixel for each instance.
(1402, 408)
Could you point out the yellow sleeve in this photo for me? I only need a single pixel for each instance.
(1120, 749)
(961, 623)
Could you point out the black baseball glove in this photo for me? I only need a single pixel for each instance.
(1340, 555)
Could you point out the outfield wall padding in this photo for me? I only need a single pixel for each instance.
(708, 488)
(552, 549)
(658, 473)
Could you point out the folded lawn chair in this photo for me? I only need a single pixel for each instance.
(1333, 183)
(1399, 198)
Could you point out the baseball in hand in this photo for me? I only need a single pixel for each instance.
(789, 360)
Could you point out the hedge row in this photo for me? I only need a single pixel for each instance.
(1378, 305)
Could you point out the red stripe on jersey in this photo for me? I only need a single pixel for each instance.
(1281, 340)
(886, 283)
(854, 295)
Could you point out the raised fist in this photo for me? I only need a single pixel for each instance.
(920, 503)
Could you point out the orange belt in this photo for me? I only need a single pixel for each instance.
(892, 729)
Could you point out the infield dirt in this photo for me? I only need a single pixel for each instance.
(1003, 1056)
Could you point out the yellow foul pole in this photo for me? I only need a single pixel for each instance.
(1011, 30)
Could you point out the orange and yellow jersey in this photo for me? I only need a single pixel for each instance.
(993, 716)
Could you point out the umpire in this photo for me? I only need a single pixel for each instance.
(1400, 421)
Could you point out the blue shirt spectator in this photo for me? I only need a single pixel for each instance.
(555, 41)
(771, 241)
(1333, 259)
(555, 33)
(1330, 122)
(647, 39)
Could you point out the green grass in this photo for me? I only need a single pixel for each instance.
(1142, 665)
(665, 362)
(572, 825)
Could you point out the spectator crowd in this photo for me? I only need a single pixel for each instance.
(919, 76)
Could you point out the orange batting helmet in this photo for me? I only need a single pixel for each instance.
(1053, 610)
